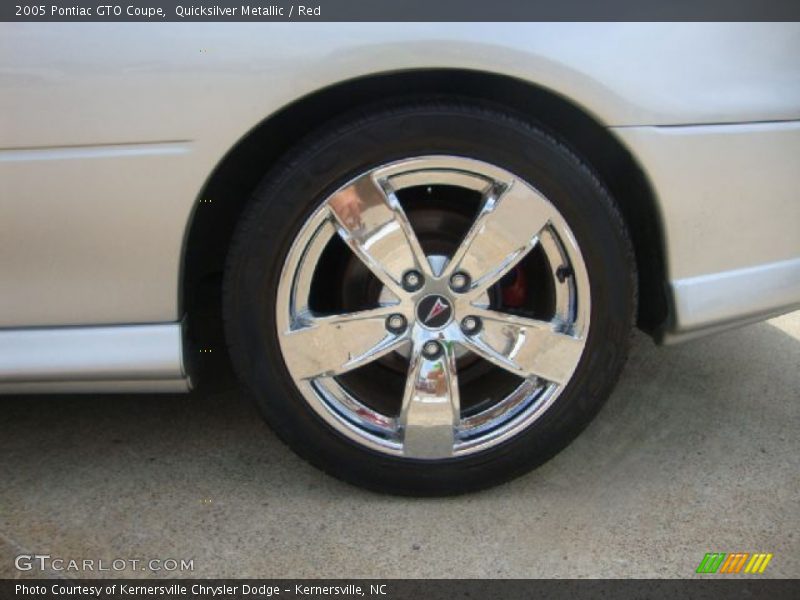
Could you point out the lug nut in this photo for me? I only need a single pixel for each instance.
(470, 325)
(431, 350)
(412, 281)
(460, 282)
(396, 323)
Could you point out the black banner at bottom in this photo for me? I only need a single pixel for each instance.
(398, 589)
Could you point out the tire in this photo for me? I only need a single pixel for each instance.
(280, 358)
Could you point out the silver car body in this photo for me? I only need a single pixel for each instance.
(109, 132)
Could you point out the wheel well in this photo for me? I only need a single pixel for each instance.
(236, 176)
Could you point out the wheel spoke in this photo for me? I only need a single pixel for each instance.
(526, 347)
(328, 346)
(431, 406)
(372, 222)
(505, 230)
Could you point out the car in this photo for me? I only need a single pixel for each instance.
(427, 245)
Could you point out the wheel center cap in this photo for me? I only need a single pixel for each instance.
(434, 311)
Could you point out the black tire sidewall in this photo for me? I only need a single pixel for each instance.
(291, 193)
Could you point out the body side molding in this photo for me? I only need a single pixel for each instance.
(719, 301)
(72, 359)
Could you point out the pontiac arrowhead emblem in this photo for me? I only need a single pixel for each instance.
(434, 311)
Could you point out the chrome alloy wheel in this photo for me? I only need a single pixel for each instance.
(434, 311)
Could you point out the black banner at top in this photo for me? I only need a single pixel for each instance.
(399, 10)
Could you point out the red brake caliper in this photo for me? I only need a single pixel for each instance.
(515, 293)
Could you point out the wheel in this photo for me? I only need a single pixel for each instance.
(429, 297)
